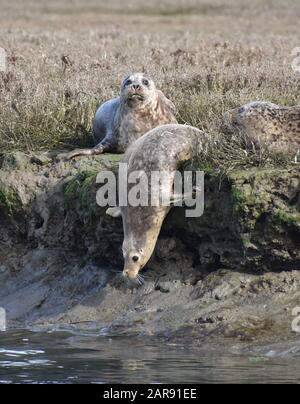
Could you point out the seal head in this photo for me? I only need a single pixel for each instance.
(138, 90)
(139, 246)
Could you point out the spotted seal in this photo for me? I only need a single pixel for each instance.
(163, 149)
(120, 121)
(275, 126)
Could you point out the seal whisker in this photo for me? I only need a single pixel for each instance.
(144, 276)
(115, 271)
(140, 279)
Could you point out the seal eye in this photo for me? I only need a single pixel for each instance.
(135, 258)
(127, 83)
(146, 82)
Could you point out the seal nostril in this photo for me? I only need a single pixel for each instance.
(135, 258)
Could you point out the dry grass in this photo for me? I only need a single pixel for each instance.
(208, 56)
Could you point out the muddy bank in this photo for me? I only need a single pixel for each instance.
(233, 272)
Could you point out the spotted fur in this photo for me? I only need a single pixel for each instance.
(275, 126)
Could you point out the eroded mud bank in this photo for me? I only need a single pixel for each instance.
(231, 273)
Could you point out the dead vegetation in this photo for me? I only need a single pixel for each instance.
(66, 58)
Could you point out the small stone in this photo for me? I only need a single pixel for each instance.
(40, 160)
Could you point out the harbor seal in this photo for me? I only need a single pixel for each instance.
(120, 121)
(275, 126)
(163, 149)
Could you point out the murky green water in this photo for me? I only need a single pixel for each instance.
(62, 357)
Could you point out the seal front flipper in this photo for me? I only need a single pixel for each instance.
(114, 212)
(181, 199)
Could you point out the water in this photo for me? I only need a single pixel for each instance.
(61, 357)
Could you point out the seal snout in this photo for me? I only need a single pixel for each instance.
(136, 87)
(127, 273)
(136, 91)
(132, 265)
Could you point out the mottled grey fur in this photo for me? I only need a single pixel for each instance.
(275, 126)
(120, 121)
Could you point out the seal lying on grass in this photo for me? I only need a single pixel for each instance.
(163, 149)
(120, 121)
(275, 126)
